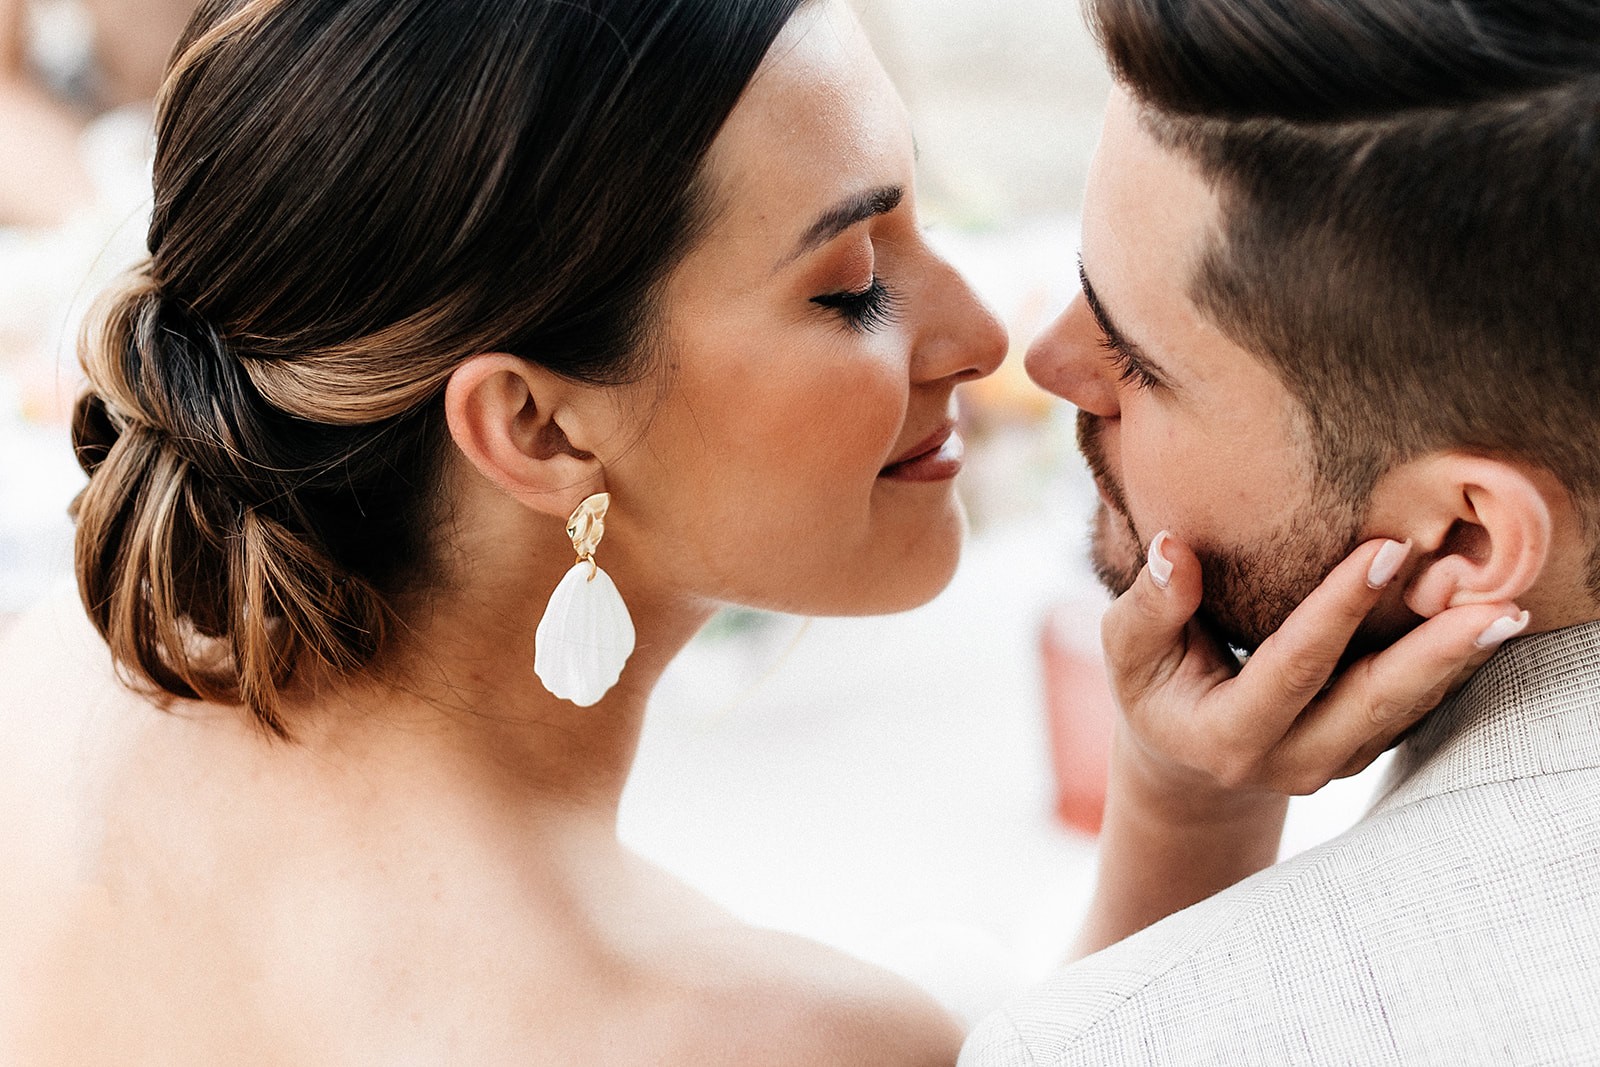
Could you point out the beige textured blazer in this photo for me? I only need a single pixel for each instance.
(1458, 923)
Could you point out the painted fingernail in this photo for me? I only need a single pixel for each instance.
(1502, 630)
(1160, 565)
(1386, 564)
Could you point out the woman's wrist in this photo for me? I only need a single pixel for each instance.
(1157, 791)
(1170, 840)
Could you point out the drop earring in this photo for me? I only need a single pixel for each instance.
(586, 634)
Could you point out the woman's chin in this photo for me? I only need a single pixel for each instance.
(920, 595)
(893, 568)
(911, 577)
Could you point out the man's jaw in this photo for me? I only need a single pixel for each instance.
(1249, 590)
(1115, 549)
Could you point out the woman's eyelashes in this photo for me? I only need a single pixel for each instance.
(864, 310)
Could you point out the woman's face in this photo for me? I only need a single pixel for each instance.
(802, 458)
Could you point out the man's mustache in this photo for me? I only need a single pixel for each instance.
(1090, 429)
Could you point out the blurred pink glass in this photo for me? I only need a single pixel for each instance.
(1079, 710)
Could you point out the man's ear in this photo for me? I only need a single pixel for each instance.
(511, 419)
(1482, 529)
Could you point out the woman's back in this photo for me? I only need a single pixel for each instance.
(183, 892)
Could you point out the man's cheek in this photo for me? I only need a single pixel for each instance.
(1156, 497)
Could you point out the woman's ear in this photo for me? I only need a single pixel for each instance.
(508, 417)
(1482, 529)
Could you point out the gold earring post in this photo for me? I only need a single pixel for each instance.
(587, 526)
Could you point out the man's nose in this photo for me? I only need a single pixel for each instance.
(1067, 359)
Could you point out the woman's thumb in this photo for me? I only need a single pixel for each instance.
(1144, 632)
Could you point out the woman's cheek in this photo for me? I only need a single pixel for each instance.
(846, 416)
(877, 402)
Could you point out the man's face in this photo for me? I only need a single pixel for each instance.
(1183, 429)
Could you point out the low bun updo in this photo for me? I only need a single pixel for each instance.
(352, 197)
(218, 542)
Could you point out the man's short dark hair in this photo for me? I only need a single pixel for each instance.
(1411, 215)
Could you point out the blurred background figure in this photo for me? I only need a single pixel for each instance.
(62, 64)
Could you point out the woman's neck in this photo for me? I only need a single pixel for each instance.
(455, 705)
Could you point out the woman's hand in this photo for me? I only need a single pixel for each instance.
(1200, 728)
(1207, 753)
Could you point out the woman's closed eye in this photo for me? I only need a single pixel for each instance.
(863, 310)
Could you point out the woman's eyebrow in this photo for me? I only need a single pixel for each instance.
(842, 216)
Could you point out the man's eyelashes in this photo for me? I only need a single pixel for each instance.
(1129, 369)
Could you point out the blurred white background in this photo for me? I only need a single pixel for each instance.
(885, 785)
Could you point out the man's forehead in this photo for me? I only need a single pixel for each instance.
(1144, 198)
(1149, 217)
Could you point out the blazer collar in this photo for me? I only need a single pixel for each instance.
(1533, 709)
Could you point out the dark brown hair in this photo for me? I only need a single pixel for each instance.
(1411, 214)
(351, 197)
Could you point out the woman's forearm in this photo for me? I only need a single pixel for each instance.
(1160, 853)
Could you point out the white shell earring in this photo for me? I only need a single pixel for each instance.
(586, 635)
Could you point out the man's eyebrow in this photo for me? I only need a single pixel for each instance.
(1116, 337)
(842, 216)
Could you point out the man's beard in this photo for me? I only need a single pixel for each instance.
(1249, 588)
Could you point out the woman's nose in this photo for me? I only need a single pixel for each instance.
(967, 341)
(1067, 360)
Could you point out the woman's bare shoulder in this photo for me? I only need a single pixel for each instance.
(762, 996)
(819, 1006)
(58, 690)
(55, 676)
(50, 652)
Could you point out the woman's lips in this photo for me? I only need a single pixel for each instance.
(937, 459)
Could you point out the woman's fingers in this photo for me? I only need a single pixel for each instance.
(1383, 695)
(1277, 724)
(1293, 665)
